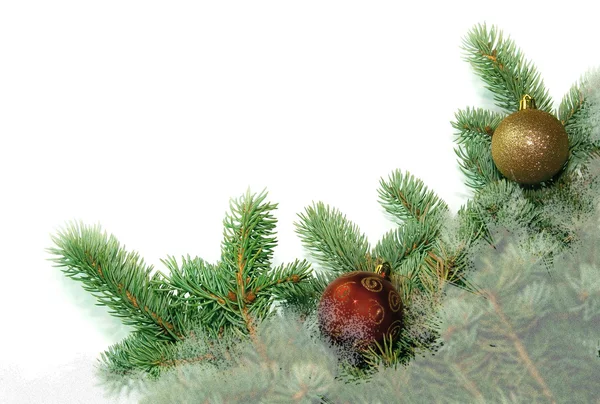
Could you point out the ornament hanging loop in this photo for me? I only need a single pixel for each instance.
(527, 102)
(384, 269)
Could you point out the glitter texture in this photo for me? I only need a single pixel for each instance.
(530, 146)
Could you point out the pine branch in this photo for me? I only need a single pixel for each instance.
(238, 291)
(475, 129)
(332, 239)
(476, 124)
(450, 265)
(504, 202)
(304, 298)
(247, 248)
(407, 198)
(249, 237)
(283, 283)
(503, 68)
(223, 301)
(571, 104)
(475, 161)
(118, 279)
(412, 238)
(580, 112)
(205, 293)
(473, 224)
(519, 346)
(407, 276)
(137, 353)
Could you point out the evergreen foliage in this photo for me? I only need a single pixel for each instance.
(579, 113)
(119, 280)
(221, 302)
(501, 65)
(333, 240)
(525, 335)
(504, 69)
(493, 290)
(415, 256)
(528, 335)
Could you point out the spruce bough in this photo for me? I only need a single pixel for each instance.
(207, 318)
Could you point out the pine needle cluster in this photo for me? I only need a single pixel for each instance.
(527, 334)
(530, 332)
(213, 304)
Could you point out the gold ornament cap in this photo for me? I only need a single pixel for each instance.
(527, 102)
(530, 146)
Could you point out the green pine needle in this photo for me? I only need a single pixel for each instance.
(249, 236)
(476, 124)
(407, 198)
(137, 353)
(571, 104)
(411, 239)
(224, 300)
(119, 279)
(503, 68)
(332, 239)
(476, 163)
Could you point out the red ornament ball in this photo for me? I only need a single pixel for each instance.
(359, 308)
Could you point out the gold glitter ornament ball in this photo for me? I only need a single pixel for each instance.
(530, 146)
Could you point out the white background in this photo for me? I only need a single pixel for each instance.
(148, 116)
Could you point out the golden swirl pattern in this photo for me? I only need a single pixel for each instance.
(395, 301)
(372, 283)
(376, 312)
(347, 274)
(395, 328)
(342, 292)
(361, 344)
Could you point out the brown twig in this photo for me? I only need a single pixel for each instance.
(493, 57)
(468, 383)
(521, 350)
(248, 320)
(177, 362)
(574, 110)
(487, 130)
(166, 326)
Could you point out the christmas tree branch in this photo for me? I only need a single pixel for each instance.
(203, 292)
(119, 280)
(571, 104)
(475, 128)
(303, 298)
(282, 281)
(467, 382)
(249, 237)
(520, 348)
(227, 300)
(239, 291)
(472, 224)
(137, 353)
(407, 198)
(448, 267)
(503, 202)
(476, 124)
(475, 161)
(503, 68)
(397, 244)
(332, 239)
(580, 110)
